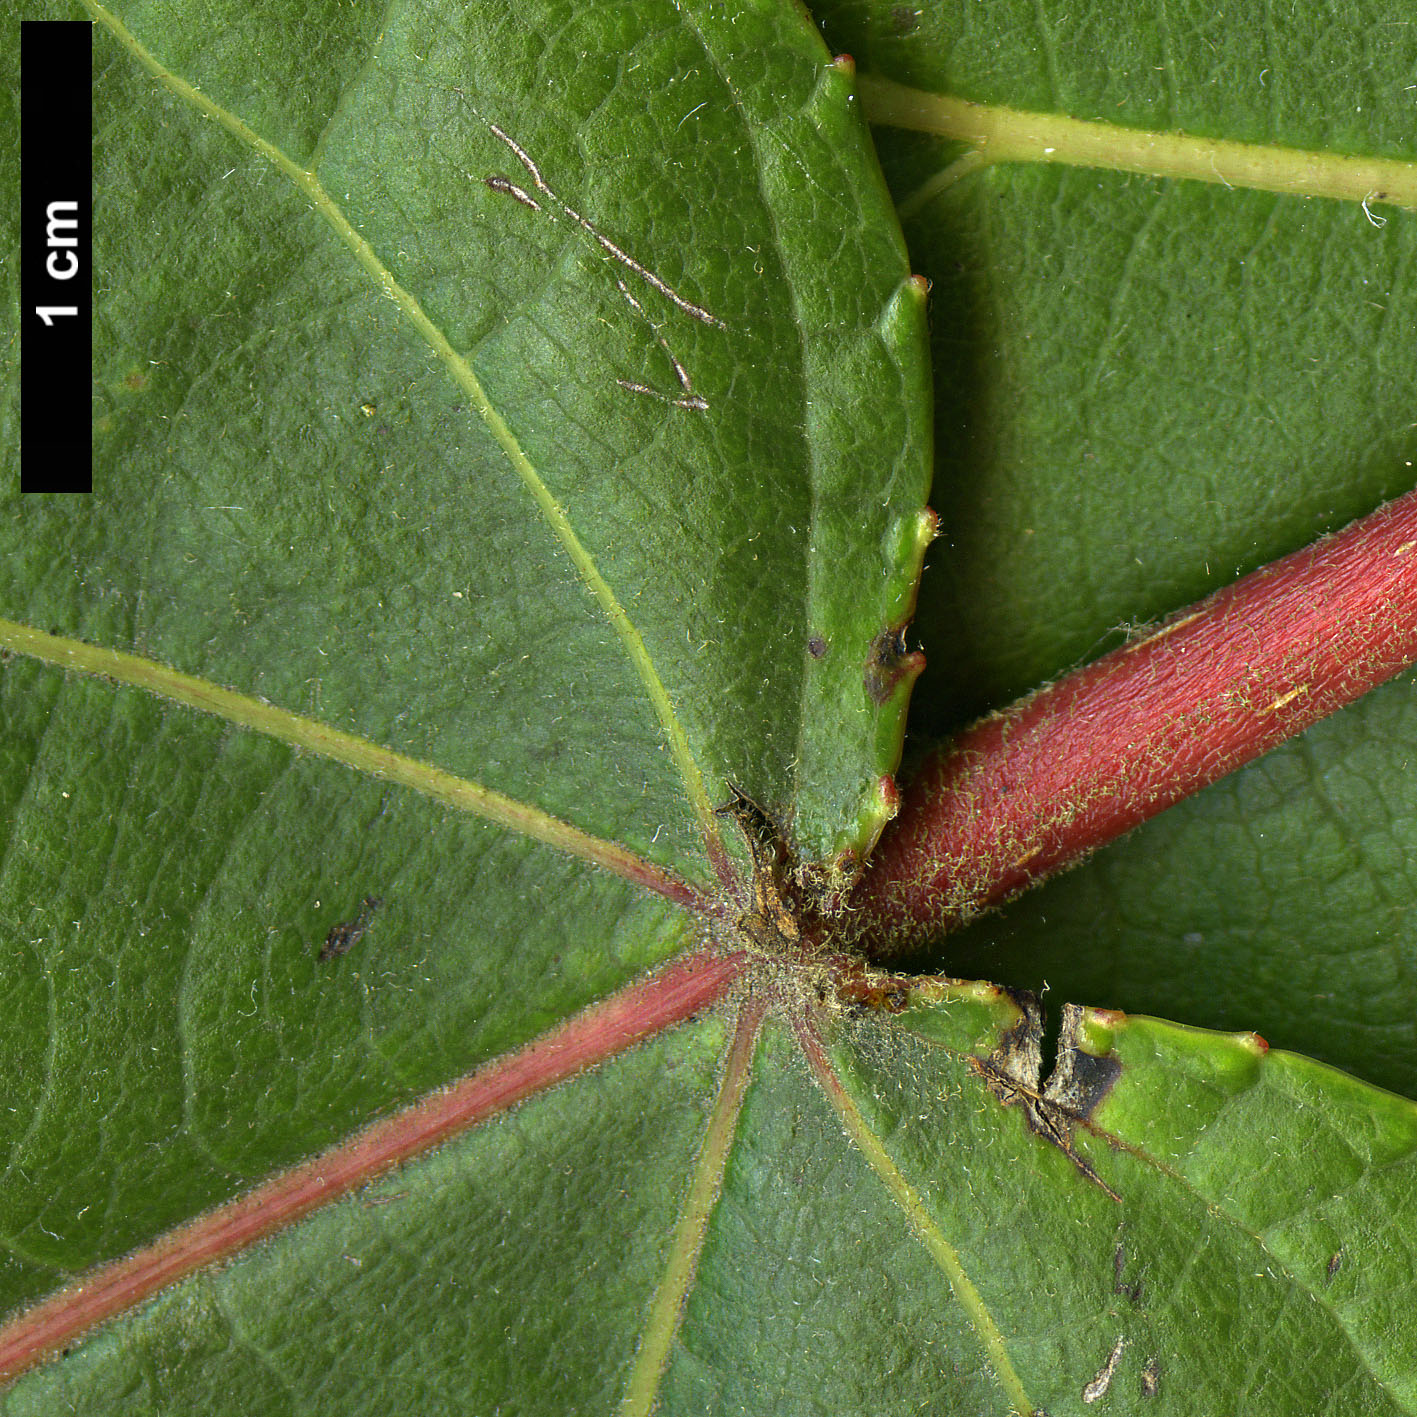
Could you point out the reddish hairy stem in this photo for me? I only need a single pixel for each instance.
(598, 1033)
(1034, 788)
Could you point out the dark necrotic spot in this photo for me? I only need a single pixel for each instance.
(816, 646)
(883, 664)
(1151, 1378)
(1079, 1081)
(348, 933)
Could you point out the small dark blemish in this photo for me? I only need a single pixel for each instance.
(135, 382)
(885, 663)
(1334, 1265)
(1119, 1264)
(1151, 1377)
(816, 646)
(348, 933)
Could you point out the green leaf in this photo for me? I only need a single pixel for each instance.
(406, 629)
(598, 604)
(1249, 1248)
(1159, 385)
(1239, 1254)
(465, 1282)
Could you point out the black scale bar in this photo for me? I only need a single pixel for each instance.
(56, 267)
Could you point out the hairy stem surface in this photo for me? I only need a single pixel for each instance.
(1033, 789)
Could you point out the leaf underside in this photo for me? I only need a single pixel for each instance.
(1147, 388)
(298, 499)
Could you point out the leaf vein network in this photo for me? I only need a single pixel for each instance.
(461, 371)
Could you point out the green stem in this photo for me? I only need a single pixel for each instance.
(909, 1200)
(1001, 134)
(692, 1229)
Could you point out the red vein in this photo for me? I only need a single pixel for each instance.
(591, 1037)
(1033, 789)
(692, 1229)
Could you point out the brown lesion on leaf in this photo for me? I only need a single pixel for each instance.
(1097, 1388)
(1151, 1377)
(1078, 1083)
(348, 933)
(1119, 1286)
(888, 662)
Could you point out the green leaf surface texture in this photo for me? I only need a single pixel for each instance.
(1147, 387)
(1248, 1194)
(594, 492)
(417, 1294)
(388, 573)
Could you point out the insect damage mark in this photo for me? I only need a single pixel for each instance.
(1075, 1087)
(348, 933)
(1119, 1265)
(686, 398)
(1097, 1388)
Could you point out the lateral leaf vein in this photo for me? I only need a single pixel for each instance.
(461, 371)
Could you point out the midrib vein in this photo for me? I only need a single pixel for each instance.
(667, 1307)
(601, 1031)
(908, 1199)
(1000, 134)
(461, 371)
(354, 752)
